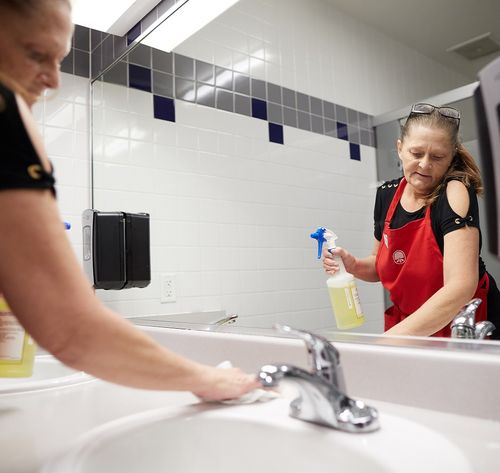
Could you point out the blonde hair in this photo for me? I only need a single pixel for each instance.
(462, 167)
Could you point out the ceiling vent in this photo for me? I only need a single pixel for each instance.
(476, 47)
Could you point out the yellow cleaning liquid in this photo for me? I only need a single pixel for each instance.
(345, 300)
(17, 348)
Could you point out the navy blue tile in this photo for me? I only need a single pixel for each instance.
(259, 109)
(342, 131)
(355, 151)
(164, 108)
(139, 77)
(134, 33)
(276, 133)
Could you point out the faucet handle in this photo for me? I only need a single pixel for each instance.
(324, 357)
(463, 325)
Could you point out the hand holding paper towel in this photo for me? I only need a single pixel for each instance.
(257, 395)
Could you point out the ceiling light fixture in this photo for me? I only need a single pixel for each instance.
(112, 16)
(181, 22)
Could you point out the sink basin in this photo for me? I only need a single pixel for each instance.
(48, 372)
(245, 439)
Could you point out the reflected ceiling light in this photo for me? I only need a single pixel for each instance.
(186, 20)
(113, 16)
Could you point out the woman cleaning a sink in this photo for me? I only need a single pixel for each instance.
(427, 237)
(40, 278)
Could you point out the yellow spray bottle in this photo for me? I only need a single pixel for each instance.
(17, 348)
(341, 286)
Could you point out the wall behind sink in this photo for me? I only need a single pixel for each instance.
(189, 173)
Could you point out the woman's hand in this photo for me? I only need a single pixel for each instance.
(219, 384)
(331, 266)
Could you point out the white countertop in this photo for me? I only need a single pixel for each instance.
(34, 426)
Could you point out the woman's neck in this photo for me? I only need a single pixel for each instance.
(411, 200)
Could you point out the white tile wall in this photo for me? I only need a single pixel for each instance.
(63, 119)
(316, 49)
(232, 212)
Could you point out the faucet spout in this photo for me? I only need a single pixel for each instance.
(483, 329)
(324, 358)
(321, 402)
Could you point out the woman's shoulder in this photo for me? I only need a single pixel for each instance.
(387, 185)
(386, 190)
(8, 102)
(455, 195)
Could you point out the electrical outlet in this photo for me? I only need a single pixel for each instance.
(168, 293)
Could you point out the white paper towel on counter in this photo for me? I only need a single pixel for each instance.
(257, 395)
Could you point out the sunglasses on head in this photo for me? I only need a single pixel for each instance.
(427, 109)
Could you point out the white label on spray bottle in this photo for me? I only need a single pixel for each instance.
(355, 296)
(11, 338)
(348, 297)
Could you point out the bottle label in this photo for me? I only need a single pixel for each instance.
(11, 338)
(347, 291)
(357, 304)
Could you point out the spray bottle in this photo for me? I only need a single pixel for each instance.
(341, 286)
(17, 348)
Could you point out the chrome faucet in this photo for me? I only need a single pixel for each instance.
(322, 399)
(464, 324)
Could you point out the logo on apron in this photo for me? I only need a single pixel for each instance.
(399, 256)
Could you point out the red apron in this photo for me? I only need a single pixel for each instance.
(410, 266)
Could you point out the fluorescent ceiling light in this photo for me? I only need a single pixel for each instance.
(184, 22)
(113, 16)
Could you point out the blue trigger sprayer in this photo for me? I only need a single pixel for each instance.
(341, 286)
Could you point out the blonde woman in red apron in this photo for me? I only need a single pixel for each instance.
(427, 236)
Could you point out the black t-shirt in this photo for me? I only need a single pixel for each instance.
(443, 219)
(20, 165)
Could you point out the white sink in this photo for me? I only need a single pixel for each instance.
(252, 438)
(48, 372)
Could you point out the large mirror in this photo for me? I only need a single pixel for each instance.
(254, 132)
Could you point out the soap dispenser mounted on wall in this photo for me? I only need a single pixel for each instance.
(116, 249)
